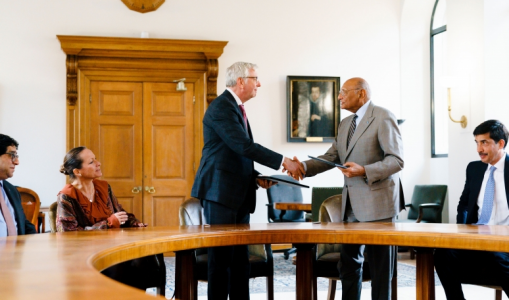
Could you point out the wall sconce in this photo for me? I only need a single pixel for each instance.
(463, 120)
(450, 82)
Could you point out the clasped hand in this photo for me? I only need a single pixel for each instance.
(294, 168)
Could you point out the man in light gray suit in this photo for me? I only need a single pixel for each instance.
(369, 144)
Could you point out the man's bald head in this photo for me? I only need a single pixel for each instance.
(362, 84)
(354, 94)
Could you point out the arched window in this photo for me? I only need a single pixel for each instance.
(438, 54)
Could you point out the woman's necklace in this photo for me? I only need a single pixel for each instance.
(90, 198)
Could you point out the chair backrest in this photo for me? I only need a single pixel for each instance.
(318, 195)
(52, 213)
(191, 213)
(31, 203)
(330, 212)
(284, 193)
(428, 194)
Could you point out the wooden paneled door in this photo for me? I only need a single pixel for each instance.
(116, 116)
(168, 150)
(143, 135)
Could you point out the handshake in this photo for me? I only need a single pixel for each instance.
(294, 168)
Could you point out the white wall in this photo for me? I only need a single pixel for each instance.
(415, 98)
(465, 33)
(496, 59)
(324, 37)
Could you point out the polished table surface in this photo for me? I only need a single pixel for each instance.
(65, 265)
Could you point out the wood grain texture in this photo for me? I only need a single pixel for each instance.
(143, 6)
(293, 206)
(65, 265)
(134, 60)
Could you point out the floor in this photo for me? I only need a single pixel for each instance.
(404, 293)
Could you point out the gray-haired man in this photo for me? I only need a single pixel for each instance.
(226, 180)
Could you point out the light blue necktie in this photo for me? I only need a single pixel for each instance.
(489, 194)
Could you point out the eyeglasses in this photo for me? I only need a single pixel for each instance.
(343, 91)
(13, 155)
(255, 78)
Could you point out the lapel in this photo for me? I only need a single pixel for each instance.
(362, 125)
(240, 117)
(506, 177)
(15, 202)
(477, 183)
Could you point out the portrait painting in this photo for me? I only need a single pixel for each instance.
(313, 111)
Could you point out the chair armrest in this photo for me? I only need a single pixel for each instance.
(422, 207)
(408, 205)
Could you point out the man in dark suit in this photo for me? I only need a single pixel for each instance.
(12, 217)
(226, 180)
(484, 201)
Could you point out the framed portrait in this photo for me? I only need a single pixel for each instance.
(312, 108)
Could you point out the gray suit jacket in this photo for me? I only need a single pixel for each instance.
(376, 145)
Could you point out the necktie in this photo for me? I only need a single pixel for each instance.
(351, 130)
(243, 114)
(11, 228)
(489, 194)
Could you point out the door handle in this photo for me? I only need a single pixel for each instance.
(136, 189)
(150, 189)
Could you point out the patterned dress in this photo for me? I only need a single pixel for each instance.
(75, 212)
(75, 215)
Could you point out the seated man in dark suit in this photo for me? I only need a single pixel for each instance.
(226, 180)
(12, 217)
(484, 201)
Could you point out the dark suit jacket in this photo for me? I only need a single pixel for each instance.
(24, 226)
(226, 174)
(467, 207)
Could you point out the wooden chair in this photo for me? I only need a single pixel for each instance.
(328, 255)
(318, 196)
(260, 256)
(31, 204)
(53, 217)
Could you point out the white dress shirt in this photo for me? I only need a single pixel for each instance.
(3, 225)
(500, 213)
(361, 112)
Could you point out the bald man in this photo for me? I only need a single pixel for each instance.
(369, 144)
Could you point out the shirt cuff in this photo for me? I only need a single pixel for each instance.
(305, 166)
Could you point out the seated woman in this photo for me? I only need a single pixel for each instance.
(88, 203)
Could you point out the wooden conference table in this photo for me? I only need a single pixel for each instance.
(66, 265)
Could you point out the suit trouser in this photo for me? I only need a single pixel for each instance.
(468, 266)
(228, 267)
(381, 266)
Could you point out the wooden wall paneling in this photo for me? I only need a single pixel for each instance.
(168, 157)
(140, 60)
(116, 139)
(200, 106)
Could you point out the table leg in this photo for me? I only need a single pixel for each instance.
(304, 271)
(425, 277)
(185, 288)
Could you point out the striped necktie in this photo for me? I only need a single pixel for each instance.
(9, 221)
(487, 204)
(243, 114)
(351, 130)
